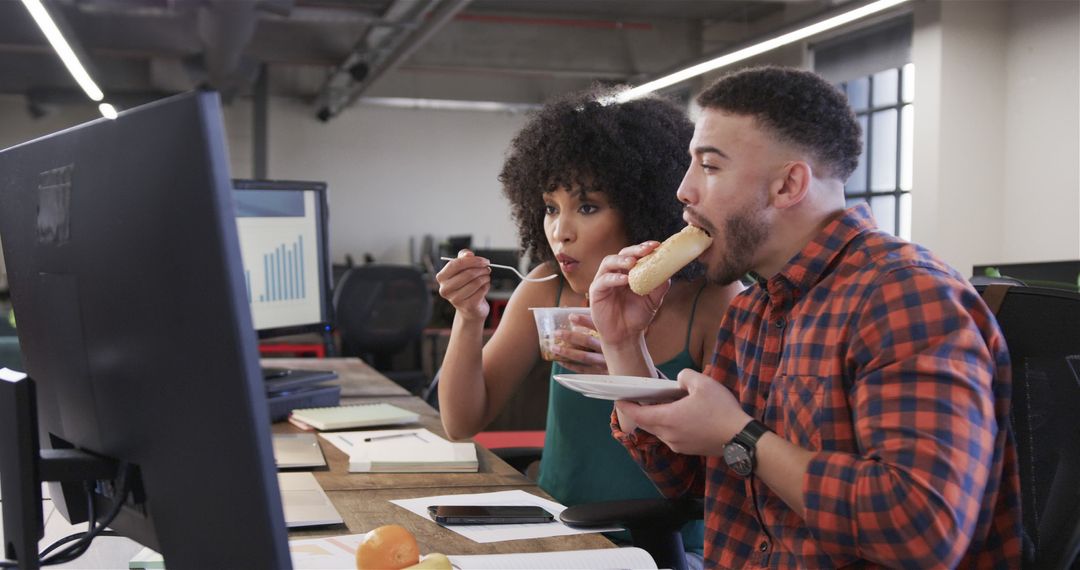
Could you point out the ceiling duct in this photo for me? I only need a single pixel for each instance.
(382, 50)
(225, 28)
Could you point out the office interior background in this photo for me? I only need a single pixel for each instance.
(405, 108)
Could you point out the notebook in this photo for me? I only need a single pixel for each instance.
(363, 415)
(404, 451)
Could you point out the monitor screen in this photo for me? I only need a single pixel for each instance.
(120, 239)
(283, 243)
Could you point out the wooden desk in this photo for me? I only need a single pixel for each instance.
(365, 510)
(492, 472)
(363, 499)
(356, 378)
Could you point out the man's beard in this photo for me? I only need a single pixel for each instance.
(744, 232)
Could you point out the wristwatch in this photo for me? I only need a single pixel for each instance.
(739, 452)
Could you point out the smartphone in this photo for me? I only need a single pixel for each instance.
(495, 514)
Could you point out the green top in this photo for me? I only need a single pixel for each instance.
(583, 463)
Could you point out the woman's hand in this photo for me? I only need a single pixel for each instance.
(465, 282)
(578, 349)
(620, 315)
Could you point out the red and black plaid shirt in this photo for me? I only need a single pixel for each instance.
(870, 351)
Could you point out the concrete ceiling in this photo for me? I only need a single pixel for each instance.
(330, 52)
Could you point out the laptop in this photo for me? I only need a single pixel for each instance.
(295, 450)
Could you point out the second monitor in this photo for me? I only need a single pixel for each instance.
(283, 230)
(283, 242)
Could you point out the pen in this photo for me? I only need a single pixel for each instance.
(389, 436)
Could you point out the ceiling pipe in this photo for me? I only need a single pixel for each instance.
(438, 17)
(225, 29)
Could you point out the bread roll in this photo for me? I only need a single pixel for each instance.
(669, 258)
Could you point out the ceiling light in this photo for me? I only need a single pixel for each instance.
(758, 48)
(107, 111)
(447, 104)
(67, 55)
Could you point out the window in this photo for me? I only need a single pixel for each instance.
(884, 105)
(873, 66)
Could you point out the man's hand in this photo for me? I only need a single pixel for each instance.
(621, 316)
(700, 423)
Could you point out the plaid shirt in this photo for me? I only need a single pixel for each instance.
(882, 359)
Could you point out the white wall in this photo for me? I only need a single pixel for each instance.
(392, 173)
(996, 131)
(17, 126)
(1042, 123)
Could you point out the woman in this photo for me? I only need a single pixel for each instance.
(584, 180)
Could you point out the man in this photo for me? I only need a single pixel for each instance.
(856, 408)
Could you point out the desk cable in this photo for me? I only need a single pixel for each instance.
(81, 540)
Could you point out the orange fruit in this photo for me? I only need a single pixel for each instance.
(389, 547)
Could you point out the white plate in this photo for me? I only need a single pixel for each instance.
(605, 387)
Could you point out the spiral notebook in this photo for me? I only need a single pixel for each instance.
(362, 415)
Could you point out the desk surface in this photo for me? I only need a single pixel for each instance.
(492, 470)
(363, 498)
(366, 510)
(356, 378)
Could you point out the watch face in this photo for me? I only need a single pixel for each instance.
(738, 459)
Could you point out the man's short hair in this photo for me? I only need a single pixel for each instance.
(798, 107)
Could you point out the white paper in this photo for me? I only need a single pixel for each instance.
(10, 375)
(566, 560)
(332, 552)
(339, 552)
(499, 532)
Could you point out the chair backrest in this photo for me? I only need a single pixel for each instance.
(1042, 330)
(380, 309)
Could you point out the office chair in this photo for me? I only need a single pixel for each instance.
(1042, 330)
(984, 280)
(379, 310)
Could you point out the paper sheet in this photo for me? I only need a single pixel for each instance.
(566, 560)
(499, 532)
(338, 552)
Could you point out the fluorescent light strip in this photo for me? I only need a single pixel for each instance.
(447, 104)
(67, 55)
(107, 111)
(758, 48)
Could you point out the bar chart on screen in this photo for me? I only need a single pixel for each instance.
(281, 274)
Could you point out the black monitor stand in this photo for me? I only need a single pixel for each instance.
(24, 466)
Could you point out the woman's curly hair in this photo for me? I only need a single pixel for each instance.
(634, 152)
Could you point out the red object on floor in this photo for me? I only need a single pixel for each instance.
(298, 349)
(498, 307)
(497, 439)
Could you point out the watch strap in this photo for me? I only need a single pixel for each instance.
(750, 434)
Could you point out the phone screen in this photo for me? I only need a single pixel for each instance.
(495, 514)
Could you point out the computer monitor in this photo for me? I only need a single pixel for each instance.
(284, 247)
(121, 244)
